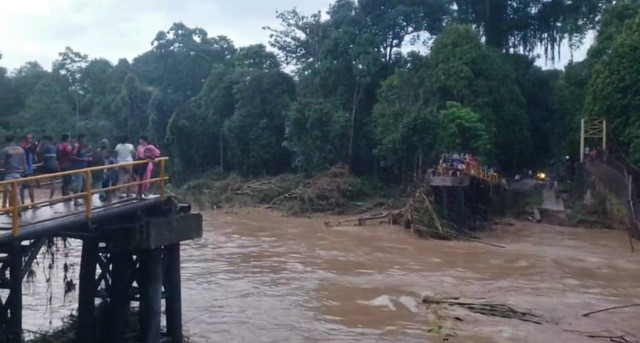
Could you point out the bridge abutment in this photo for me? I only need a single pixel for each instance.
(128, 258)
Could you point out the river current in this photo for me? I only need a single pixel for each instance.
(258, 276)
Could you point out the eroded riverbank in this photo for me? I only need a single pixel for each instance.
(257, 276)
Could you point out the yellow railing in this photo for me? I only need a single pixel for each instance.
(11, 188)
(474, 170)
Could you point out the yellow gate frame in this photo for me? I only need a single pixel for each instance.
(593, 127)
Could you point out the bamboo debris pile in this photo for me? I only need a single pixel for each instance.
(327, 192)
(256, 187)
(494, 310)
(421, 217)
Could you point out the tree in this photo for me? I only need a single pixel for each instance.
(570, 98)
(614, 89)
(538, 88)
(405, 122)
(9, 99)
(256, 130)
(461, 69)
(461, 129)
(392, 21)
(316, 132)
(129, 107)
(26, 78)
(46, 111)
(68, 67)
(181, 59)
(525, 26)
(197, 133)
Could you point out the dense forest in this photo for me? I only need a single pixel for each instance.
(340, 87)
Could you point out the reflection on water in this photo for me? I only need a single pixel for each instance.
(259, 277)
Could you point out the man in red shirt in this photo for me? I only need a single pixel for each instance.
(63, 150)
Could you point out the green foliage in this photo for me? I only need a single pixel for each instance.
(614, 89)
(516, 25)
(45, 103)
(317, 131)
(341, 89)
(570, 97)
(461, 129)
(459, 69)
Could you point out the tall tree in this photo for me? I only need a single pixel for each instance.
(614, 89)
(9, 99)
(392, 21)
(257, 128)
(526, 26)
(46, 111)
(68, 67)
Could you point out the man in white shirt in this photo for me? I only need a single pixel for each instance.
(124, 154)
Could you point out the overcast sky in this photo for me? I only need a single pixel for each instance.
(39, 29)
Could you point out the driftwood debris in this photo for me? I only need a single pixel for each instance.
(504, 222)
(362, 220)
(614, 339)
(494, 310)
(422, 218)
(610, 309)
(326, 192)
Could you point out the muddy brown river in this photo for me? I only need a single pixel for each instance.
(257, 276)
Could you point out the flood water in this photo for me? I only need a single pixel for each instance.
(257, 276)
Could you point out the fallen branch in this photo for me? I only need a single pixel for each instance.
(495, 310)
(505, 222)
(453, 236)
(610, 309)
(482, 242)
(360, 220)
(613, 339)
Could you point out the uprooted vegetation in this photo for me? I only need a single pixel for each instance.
(334, 191)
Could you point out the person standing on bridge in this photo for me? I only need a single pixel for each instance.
(64, 150)
(13, 160)
(47, 150)
(80, 157)
(148, 152)
(125, 152)
(29, 148)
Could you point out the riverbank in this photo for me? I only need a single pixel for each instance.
(335, 191)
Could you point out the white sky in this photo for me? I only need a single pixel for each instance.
(39, 29)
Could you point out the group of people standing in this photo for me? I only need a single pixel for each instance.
(24, 159)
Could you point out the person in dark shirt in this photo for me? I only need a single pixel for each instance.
(63, 151)
(48, 155)
(29, 147)
(80, 158)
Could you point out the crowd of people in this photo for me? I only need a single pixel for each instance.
(460, 163)
(29, 157)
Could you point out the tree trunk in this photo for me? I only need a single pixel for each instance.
(420, 168)
(75, 96)
(352, 130)
(221, 153)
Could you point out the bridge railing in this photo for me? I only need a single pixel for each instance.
(471, 169)
(11, 188)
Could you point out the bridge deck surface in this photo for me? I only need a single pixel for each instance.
(66, 209)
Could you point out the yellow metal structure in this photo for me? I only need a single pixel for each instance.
(12, 188)
(592, 127)
(477, 171)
